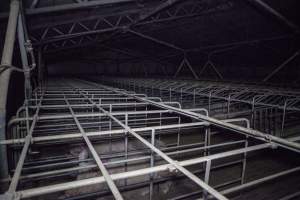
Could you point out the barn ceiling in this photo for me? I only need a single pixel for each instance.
(252, 36)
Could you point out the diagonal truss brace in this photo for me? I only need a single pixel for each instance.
(185, 62)
(210, 64)
(277, 69)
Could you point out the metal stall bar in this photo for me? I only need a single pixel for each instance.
(140, 172)
(240, 95)
(62, 116)
(259, 181)
(160, 153)
(253, 133)
(11, 193)
(96, 157)
(244, 94)
(68, 185)
(236, 98)
(102, 133)
(103, 105)
(93, 166)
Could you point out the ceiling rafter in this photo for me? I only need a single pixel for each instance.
(91, 26)
(37, 8)
(82, 39)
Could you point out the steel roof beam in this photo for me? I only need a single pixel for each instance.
(73, 6)
(183, 11)
(275, 13)
(34, 10)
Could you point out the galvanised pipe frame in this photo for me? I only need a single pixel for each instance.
(254, 133)
(30, 122)
(16, 23)
(207, 93)
(5, 76)
(70, 93)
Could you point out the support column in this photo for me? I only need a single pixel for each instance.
(5, 76)
(23, 50)
(40, 66)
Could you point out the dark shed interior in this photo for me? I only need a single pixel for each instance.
(149, 99)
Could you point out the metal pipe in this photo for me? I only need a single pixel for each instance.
(242, 100)
(82, 89)
(253, 184)
(101, 133)
(92, 181)
(96, 157)
(23, 51)
(66, 116)
(260, 181)
(14, 183)
(5, 77)
(253, 133)
(164, 156)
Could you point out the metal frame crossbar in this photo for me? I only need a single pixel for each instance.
(38, 125)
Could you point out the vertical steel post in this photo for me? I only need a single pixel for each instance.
(24, 58)
(207, 140)
(228, 106)
(194, 98)
(152, 164)
(40, 66)
(178, 134)
(244, 163)
(206, 177)
(5, 76)
(152, 94)
(126, 146)
(110, 127)
(160, 93)
(253, 118)
(283, 119)
(209, 100)
(181, 96)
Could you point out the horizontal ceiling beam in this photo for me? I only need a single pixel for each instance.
(54, 33)
(69, 6)
(72, 6)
